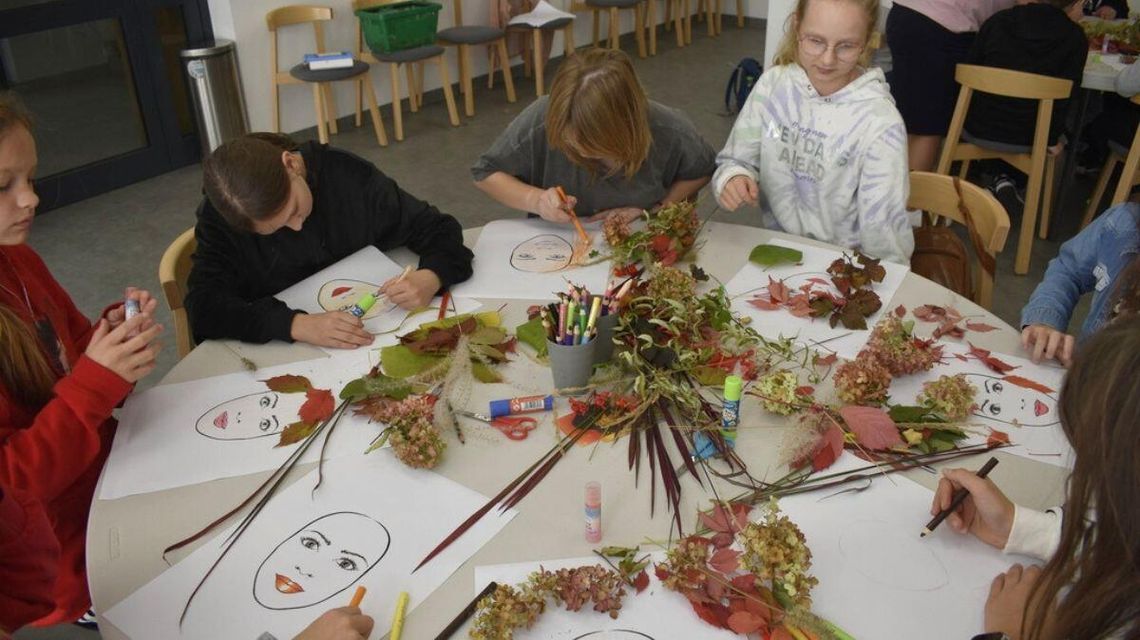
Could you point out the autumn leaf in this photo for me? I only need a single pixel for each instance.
(296, 432)
(744, 622)
(319, 406)
(724, 520)
(828, 450)
(771, 255)
(722, 540)
(805, 390)
(990, 361)
(713, 613)
(781, 633)
(900, 311)
(288, 384)
(872, 427)
(997, 438)
(777, 290)
(1026, 383)
(949, 328)
(725, 560)
(763, 304)
(980, 327)
(829, 359)
(641, 581)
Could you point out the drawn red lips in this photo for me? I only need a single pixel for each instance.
(339, 290)
(1040, 408)
(222, 420)
(285, 585)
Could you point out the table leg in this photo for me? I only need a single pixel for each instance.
(1070, 160)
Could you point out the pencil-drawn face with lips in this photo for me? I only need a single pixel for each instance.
(322, 559)
(339, 295)
(1009, 403)
(254, 416)
(542, 254)
(614, 634)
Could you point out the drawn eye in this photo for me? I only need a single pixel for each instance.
(998, 387)
(524, 256)
(310, 543)
(264, 402)
(348, 564)
(994, 409)
(557, 257)
(265, 424)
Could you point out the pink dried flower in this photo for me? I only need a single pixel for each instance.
(893, 344)
(950, 396)
(864, 381)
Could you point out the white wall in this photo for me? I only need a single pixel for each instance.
(243, 21)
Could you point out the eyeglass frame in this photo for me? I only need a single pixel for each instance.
(857, 49)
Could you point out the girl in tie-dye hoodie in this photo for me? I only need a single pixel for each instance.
(819, 145)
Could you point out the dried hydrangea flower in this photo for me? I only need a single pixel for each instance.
(892, 343)
(777, 392)
(950, 396)
(864, 381)
(775, 551)
(671, 284)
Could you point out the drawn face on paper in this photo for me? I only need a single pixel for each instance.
(614, 634)
(319, 561)
(1002, 401)
(338, 295)
(542, 254)
(254, 416)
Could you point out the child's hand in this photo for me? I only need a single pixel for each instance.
(1106, 13)
(336, 329)
(1046, 343)
(345, 623)
(1009, 592)
(549, 205)
(739, 190)
(414, 291)
(148, 304)
(1056, 149)
(986, 512)
(127, 350)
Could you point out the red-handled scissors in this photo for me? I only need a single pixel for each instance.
(514, 427)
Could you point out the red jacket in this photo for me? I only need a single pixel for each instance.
(54, 453)
(29, 561)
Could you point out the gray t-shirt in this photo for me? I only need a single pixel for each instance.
(677, 153)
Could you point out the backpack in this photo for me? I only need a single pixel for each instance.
(941, 256)
(740, 83)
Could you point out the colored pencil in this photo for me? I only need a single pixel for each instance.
(957, 500)
(398, 618)
(358, 596)
(466, 613)
(574, 217)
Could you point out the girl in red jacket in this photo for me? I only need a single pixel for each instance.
(60, 378)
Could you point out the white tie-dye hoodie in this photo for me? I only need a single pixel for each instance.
(831, 168)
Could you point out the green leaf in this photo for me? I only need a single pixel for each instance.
(288, 384)
(296, 432)
(771, 255)
(483, 373)
(488, 335)
(354, 391)
(532, 333)
(400, 362)
(710, 376)
(380, 441)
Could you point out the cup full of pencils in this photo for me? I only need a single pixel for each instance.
(574, 327)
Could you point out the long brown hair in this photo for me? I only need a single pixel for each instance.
(1091, 587)
(245, 180)
(598, 109)
(789, 50)
(24, 369)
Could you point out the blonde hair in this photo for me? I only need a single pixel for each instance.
(789, 49)
(598, 109)
(24, 369)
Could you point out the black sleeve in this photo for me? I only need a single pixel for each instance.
(1077, 50)
(404, 220)
(1121, 7)
(214, 301)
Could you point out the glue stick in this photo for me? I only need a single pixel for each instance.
(362, 306)
(730, 415)
(593, 512)
(130, 307)
(525, 404)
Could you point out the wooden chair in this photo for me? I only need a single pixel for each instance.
(936, 194)
(463, 37)
(407, 57)
(1128, 176)
(566, 25)
(674, 19)
(644, 12)
(173, 271)
(323, 101)
(1033, 160)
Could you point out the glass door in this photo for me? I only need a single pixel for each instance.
(104, 85)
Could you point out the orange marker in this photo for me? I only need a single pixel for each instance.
(358, 596)
(573, 216)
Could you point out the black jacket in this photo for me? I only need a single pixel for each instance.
(1035, 38)
(236, 273)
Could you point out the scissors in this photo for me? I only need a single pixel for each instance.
(514, 427)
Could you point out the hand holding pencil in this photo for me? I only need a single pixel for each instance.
(412, 289)
(986, 512)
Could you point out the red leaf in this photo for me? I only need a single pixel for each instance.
(1028, 384)
(725, 560)
(780, 633)
(712, 613)
(716, 590)
(829, 359)
(777, 290)
(900, 311)
(872, 427)
(980, 327)
(929, 313)
(997, 438)
(641, 581)
(828, 450)
(745, 622)
(997, 365)
(763, 305)
(724, 520)
(319, 406)
(949, 328)
(745, 582)
(722, 540)
(799, 306)
(661, 572)
(288, 384)
(805, 390)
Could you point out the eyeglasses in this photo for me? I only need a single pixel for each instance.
(845, 51)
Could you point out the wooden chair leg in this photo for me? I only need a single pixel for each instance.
(374, 111)
(465, 80)
(1100, 188)
(420, 83)
(1029, 219)
(539, 81)
(740, 14)
(615, 29)
(669, 13)
(358, 84)
(452, 113)
(1047, 192)
(330, 107)
(688, 21)
(1127, 177)
(678, 22)
(319, 106)
(507, 79)
(984, 294)
(397, 115)
(410, 72)
(568, 48)
(709, 17)
(276, 97)
(651, 20)
(527, 58)
(639, 29)
(460, 63)
(597, 25)
(964, 169)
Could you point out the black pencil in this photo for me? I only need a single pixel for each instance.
(956, 501)
(466, 613)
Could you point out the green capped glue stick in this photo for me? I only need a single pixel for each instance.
(730, 415)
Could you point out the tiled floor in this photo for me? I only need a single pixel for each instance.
(97, 247)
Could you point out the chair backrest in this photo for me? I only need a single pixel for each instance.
(173, 271)
(1012, 84)
(296, 14)
(935, 193)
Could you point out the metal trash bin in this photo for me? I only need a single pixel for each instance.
(215, 83)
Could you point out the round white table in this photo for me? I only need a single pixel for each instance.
(126, 536)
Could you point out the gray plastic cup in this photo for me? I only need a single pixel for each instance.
(605, 326)
(572, 365)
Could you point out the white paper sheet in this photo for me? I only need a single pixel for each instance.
(752, 279)
(1029, 416)
(181, 434)
(530, 260)
(370, 524)
(879, 580)
(542, 13)
(655, 614)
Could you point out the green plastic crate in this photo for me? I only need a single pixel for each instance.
(402, 25)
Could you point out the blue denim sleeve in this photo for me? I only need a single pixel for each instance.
(1068, 277)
